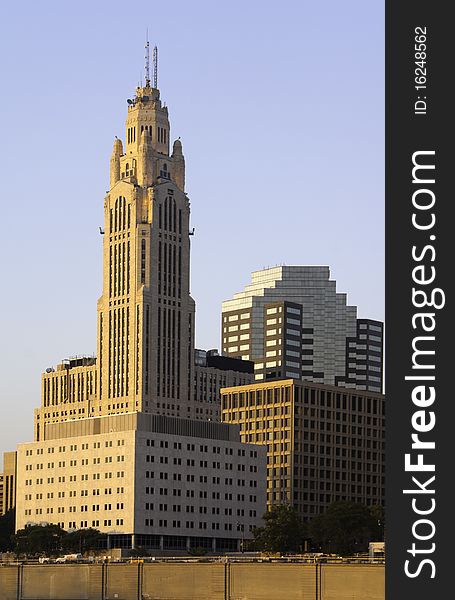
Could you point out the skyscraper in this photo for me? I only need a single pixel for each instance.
(145, 357)
(146, 274)
(292, 322)
(117, 444)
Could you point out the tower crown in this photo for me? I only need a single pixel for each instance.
(147, 159)
(146, 113)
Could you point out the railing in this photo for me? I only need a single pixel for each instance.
(208, 559)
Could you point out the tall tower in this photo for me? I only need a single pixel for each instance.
(145, 313)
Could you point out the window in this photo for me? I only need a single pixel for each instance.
(143, 261)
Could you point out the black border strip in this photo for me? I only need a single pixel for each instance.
(409, 131)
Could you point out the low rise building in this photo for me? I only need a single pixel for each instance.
(144, 480)
(213, 372)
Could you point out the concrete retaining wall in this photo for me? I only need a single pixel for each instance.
(193, 581)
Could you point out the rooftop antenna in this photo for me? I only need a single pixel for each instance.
(155, 67)
(147, 61)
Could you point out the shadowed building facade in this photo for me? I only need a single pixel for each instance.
(324, 443)
(8, 482)
(212, 373)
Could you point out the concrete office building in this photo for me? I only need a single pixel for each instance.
(144, 479)
(292, 322)
(213, 372)
(106, 422)
(324, 443)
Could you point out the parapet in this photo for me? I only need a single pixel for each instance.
(138, 421)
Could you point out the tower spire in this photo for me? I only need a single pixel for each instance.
(147, 61)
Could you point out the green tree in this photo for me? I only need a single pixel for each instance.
(37, 538)
(345, 528)
(81, 540)
(283, 531)
(378, 523)
(7, 522)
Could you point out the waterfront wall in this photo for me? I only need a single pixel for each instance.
(193, 581)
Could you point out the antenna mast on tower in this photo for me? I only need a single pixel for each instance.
(155, 67)
(147, 62)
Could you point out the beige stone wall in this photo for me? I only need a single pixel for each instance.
(78, 482)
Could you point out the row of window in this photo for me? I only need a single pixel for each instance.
(191, 525)
(84, 477)
(305, 396)
(73, 387)
(61, 464)
(235, 317)
(164, 507)
(74, 493)
(191, 478)
(61, 510)
(200, 448)
(177, 492)
(190, 462)
(74, 447)
(85, 524)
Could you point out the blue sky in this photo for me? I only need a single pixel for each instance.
(280, 108)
